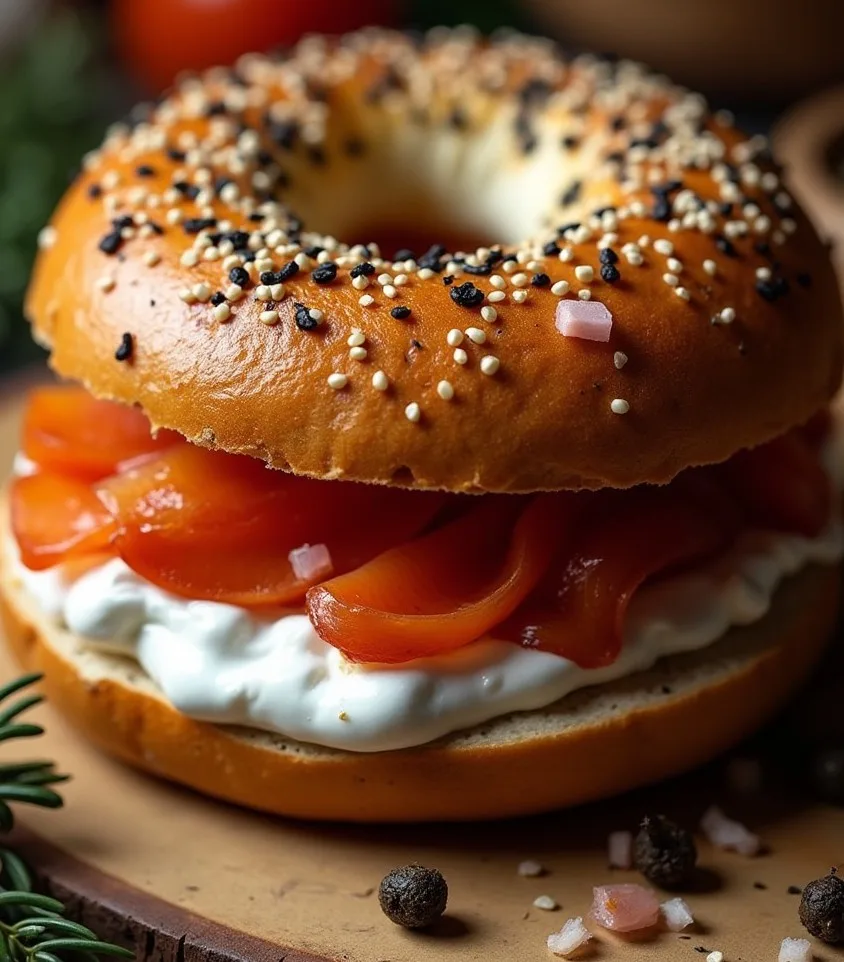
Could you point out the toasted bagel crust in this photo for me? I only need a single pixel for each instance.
(127, 253)
(594, 743)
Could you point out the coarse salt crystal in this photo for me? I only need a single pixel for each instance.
(571, 937)
(624, 908)
(311, 562)
(590, 320)
(620, 849)
(795, 950)
(728, 834)
(676, 914)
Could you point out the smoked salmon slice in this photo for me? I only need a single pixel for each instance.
(782, 484)
(55, 518)
(448, 588)
(221, 527)
(621, 541)
(68, 431)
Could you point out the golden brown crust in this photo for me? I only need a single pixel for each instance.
(716, 697)
(697, 391)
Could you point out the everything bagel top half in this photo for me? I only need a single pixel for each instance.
(646, 295)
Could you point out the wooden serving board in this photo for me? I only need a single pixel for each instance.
(185, 878)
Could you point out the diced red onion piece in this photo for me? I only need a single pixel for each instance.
(571, 937)
(795, 950)
(620, 849)
(676, 914)
(590, 320)
(728, 834)
(625, 908)
(311, 562)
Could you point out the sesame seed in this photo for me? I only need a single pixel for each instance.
(619, 359)
(390, 291)
(495, 297)
(674, 265)
(454, 337)
(682, 293)
(222, 312)
(356, 339)
(460, 356)
(489, 314)
(384, 279)
(358, 353)
(763, 273)
(476, 335)
(337, 381)
(710, 267)
(584, 273)
(202, 292)
(565, 255)
(425, 274)
(400, 280)
(190, 258)
(662, 246)
(672, 280)
(360, 283)
(188, 296)
(47, 237)
(490, 364)
(413, 412)
(619, 406)
(560, 288)
(585, 294)
(497, 281)
(520, 296)
(126, 348)
(366, 300)
(234, 292)
(263, 293)
(268, 317)
(380, 381)
(151, 258)
(519, 280)
(445, 390)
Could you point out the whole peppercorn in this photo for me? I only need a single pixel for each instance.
(828, 775)
(822, 909)
(664, 853)
(413, 896)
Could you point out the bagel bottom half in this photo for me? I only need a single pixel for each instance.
(595, 742)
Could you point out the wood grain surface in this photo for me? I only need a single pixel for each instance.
(184, 878)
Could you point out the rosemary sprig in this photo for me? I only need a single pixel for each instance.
(32, 926)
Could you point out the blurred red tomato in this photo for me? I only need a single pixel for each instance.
(158, 38)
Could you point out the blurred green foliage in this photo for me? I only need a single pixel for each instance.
(52, 93)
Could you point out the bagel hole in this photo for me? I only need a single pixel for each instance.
(414, 186)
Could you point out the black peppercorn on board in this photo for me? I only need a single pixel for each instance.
(180, 877)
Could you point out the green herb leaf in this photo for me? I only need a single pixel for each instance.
(87, 945)
(32, 795)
